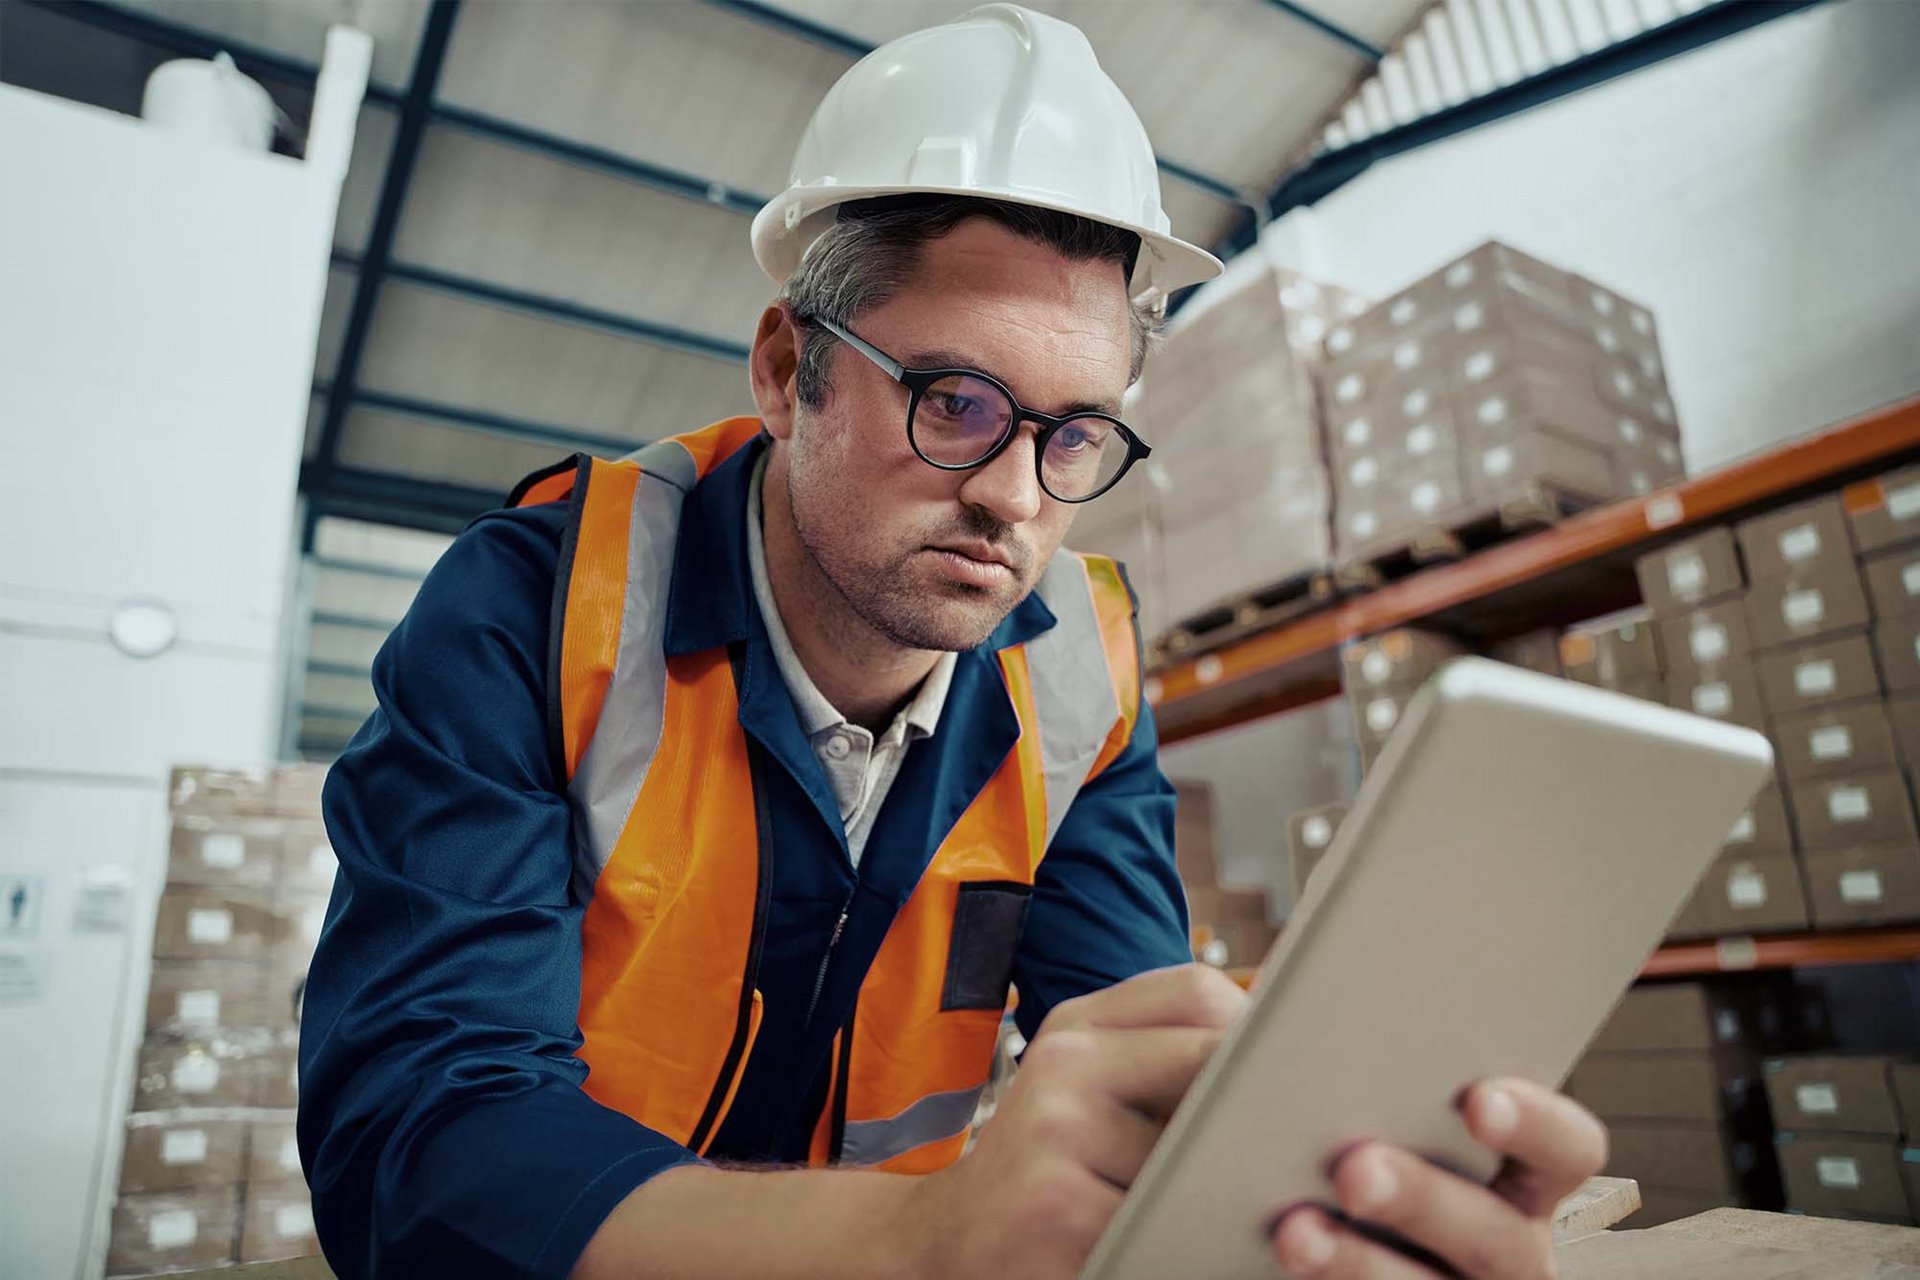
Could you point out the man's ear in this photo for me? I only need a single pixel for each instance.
(773, 366)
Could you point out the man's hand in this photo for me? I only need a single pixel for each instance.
(1096, 1087)
(1504, 1232)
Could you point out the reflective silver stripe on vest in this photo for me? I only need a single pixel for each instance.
(936, 1116)
(607, 782)
(1073, 691)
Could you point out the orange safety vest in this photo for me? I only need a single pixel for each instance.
(669, 848)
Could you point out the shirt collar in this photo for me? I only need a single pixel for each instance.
(817, 715)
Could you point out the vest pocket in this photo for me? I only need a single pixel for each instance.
(988, 919)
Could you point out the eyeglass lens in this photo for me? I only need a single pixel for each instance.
(960, 420)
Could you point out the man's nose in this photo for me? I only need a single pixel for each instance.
(1009, 486)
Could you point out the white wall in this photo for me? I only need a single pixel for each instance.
(1762, 195)
(159, 304)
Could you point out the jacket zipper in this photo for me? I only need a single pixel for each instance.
(839, 1099)
(833, 940)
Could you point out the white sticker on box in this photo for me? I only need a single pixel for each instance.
(1817, 1099)
(196, 1072)
(1602, 301)
(1497, 462)
(1289, 296)
(1849, 804)
(1746, 888)
(1479, 366)
(1832, 742)
(1803, 608)
(1838, 1171)
(290, 1155)
(1623, 382)
(1340, 340)
(1649, 367)
(1640, 482)
(1416, 402)
(1686, 575)
(1469, 316)
(222, 850)
(1315, 832)
(1350, 388)
(1609, 340)
(1376, 667)
(172, 1228)
(1215, 953)
(1363, 471)
(1714, 699)
(1407, 355)
(1904, 503)
(1663, 410)
(1422, 439)
(1708, 643)
(1381, 713)
(1425, 497)
(1357, 431)
(1312, 328)
(183, 1146)
(199, 1008)
(1742, 830)
(210, 926)
(1361, 524)
(1860, 887)
(1813, 679)
(1459, 275)
(1668, 451)
(1802, 542)
(1641, 321)
(291, 1221)
(1403, 312)
(1492, 411)
(1629, 430)
(1910, 578)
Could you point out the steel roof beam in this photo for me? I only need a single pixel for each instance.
(1330, 29)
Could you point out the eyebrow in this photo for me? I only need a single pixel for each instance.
(941, 358)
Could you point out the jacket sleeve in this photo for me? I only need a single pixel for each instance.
(1107, 902)
(442, 1120)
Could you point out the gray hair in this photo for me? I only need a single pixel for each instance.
(873, 249)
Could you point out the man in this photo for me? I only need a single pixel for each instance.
(718, 797)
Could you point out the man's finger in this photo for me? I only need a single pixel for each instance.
(1148, 1070)
(1472, 1229)
(1309, 1245)
(1554, 1144)
(1188, 995)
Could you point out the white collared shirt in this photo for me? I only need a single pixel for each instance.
(859, 768)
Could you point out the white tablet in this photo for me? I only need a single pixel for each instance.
(1518, 849)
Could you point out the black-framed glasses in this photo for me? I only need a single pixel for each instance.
(959, 419)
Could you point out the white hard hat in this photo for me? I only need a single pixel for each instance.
(1002, 103)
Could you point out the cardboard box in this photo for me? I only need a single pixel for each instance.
(192, 995)
(1841, 669)
(1905, 1078)
(1375, 714)
(273, 1151)
(168, 1153)
(276, 1078)
(1692, 920)
(1846, 738)
(286, 987)
(1309, 835)
(1193, 841)
(214, 1070)
(1827, 599)
(1558, 400)
(1511, 464)
(1760, 894)
(1534, 651)
(1763, 829)
(1728, 691)
(1897, 643)
(1657, 1086)
(295, 789)
(1693, 572)
(1884, 511)
(1869, 884)
(1870, 807)
(1714, 634)
(1399, 659)
(212, 924)
(1670, 1016)
(1844, 1177)
(1893, 583)
(1231, 926)
(307, 861)
(171, 1230)
(277, 1222)
(1660, 1205)
(1904, 710)
(224, 792)
(224, 851)
(1795, 539)
(1677, 1156)
(1496, 267)
(1611, 651)
(1827, 1094)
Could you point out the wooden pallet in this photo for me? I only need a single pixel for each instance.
(1243, 615)
(1470, 530)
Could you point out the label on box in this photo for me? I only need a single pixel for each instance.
(1492, 411)
(1407, 355)
(291, 1221)
(1708, 643)
(1623, 382)
(1861, 887)
(1669, 452)
(1416, 402)
(1340, 340)
(1479, 366)
(1743, 830)
(1602, 301)
(1459, 275)
(1803, 608)
(196, 1073)
(1312, 327)
(1849, 804)
(1904, 503)
(1746, 889)
(1357, 432)
(1629, 430)
(1497, 462)
(1726, 1026)
(183, 1146)
(1838, 1171)
(1642, 322)
(1714, 699)
(1834, 742)
(1468, 317)
(1425, 497)
(201, 1008)
(1376, 667)
(1812, 679)
(210, 926)
(1910, 578)
(1663, 410)
(1350, 388)
(1381, 713)
(1609, 340)
(1802, 542)
(1315, 832)
(1817, 1099)
(1422, 439)
(1363, 471)
(1403, 312)
(222, 850)
(1686, 574)
(290, 1155)
(172, 1228)
(1361, 524)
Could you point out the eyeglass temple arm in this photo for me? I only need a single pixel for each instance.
(893, 367)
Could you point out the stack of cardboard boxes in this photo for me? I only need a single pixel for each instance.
(210, 1173)
(1236, 497)
(1839, 1122)
(1620, 652)
(1231, 928)
(1310, 834)
(1498, 379)
(1380, 675)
